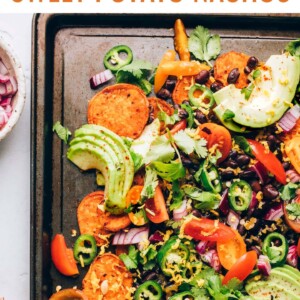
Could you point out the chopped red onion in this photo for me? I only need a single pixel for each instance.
(292, 256)
(4, 78)
(3, 117)
(211, 257)
(9, 88)
(156, 237)
(100, 78)
(274, 213)
(3, 69)
(224, 204)
(261, 172)
(233, 219)
(253, 203)
(180, 212)
(132, 236)
(204, 246)
(293, 176)
(263, 265)
(288, 121)
(5, 101)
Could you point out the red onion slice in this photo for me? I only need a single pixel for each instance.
(274, 213)
(4, 78)
(292, 256)
(253, 203)
(224, 204)
(293, 176)
(132, 236)
(3, 69)
(100, 78)
(288, 121)
(261, 172)
(180, 212)
(263, 265)
(5, 101)
(156, 237)
(233, 219)
(211, 257)
(204, 246)
(3, 117)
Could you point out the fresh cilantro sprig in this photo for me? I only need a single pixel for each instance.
(151, 182)
(293, 47)
(62, 132)
(203, 45)
(131, 259)
(169, 171)
(288, 192)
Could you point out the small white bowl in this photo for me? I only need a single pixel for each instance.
(14, 66)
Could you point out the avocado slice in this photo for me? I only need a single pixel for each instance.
(96, 147)
(272, 94)
(292, 271)
(117, 143)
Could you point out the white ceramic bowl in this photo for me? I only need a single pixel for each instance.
(14, 66)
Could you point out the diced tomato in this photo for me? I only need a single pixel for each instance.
(216, 135)
(62, 256)
(161, 77)
(229, 252)
(208, 230)
(242, 268)
(298, 247)
(156, 209)
(293, 224)
(269, 160)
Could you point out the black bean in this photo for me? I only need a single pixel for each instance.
(231, 164)
(227, 174)
(252, 62)
(150, 276)
(170, 84)
(242, 160)
(187, 102)
(248, 174)
(202, 77)
(186, 161)
(286, 165)
(182, 113)
(196, 213)
(151, 118)
(273, 142)
(200, 116)
(216, 86)
(270, 192)
(232, 154)
(247, 70)
(233, 76)
(241, 229)
(256, 187)
(164, 94)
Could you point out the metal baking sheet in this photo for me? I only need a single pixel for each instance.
(67, 50)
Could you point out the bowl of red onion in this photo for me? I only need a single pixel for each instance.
(12, 88)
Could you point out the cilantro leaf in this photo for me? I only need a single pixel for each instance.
(199, 293)
(213, 157)
(62, 132)
(151, 182)
(293, 209)
(184, 142)
(148, 257)
(169, 171)
(203, 45)
(168, 120)
(205, 200)
(177, 195)
(131, 259)
(288, 192)
(293, 47)
(200, 148)
(160, 150)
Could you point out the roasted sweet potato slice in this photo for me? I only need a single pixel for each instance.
(107, 279)
(113, 223)
(122, 108)
(158, 105)
(226, 62)
(88, 218)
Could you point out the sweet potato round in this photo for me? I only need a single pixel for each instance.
(159, 104)
(122, 108)
(108, 278)
(226, 62)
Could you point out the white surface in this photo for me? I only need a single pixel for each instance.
(15, 176)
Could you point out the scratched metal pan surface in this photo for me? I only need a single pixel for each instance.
(67, 51)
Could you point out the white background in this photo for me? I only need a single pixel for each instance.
(15, 176)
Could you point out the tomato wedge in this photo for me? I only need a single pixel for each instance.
(293, 224)
(229, 252)
(242, 268)
(156, 209)
(181, 125)
(208, 230)
(62, 256)
(160, 77)
(269, 160)
(298, 247)
(182, 68)
(132, 198)
(216, 135)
